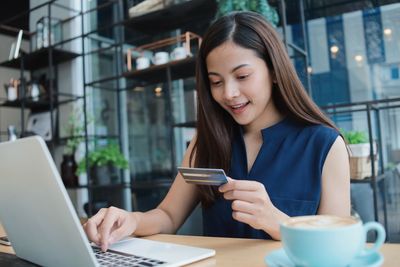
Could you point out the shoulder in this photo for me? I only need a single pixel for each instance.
(321, 134)
(318, 139)
(338, 149)
(321, 130)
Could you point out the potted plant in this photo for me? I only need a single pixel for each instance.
(104, 163)
(74, 129)
(360, 159)
(259, 6)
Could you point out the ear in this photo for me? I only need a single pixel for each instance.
(274, 77)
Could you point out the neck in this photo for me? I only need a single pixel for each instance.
(270, 116)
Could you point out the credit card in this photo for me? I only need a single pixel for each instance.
(203, 176)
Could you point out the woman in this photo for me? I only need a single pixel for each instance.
(257, 123)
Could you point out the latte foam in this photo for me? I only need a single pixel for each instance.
(319, 222)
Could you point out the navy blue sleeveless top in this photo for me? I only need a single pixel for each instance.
(289, 164)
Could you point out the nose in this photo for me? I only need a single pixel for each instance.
(231, 91)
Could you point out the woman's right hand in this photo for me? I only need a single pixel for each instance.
(110, 225)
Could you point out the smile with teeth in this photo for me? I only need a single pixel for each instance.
(239, 107)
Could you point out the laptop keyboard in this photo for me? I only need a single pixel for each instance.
(116, 258)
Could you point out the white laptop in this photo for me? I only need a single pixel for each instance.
(43, 227)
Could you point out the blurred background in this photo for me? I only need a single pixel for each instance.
(110, 86)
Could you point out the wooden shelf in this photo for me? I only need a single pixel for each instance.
(105, 186)
(368, 180)
(173, 16)
(156, 74)
(29, 104)
(40, 59)
(188, 124)
(151, 184)
(135, 185)
(42, 104)
(361, 181)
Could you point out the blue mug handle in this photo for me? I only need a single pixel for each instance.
(380, 239)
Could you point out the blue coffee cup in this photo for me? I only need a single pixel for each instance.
(328, 241)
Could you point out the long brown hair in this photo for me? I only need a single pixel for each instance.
(215, 127)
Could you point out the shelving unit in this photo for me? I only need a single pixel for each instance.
(40, 59)
(41, 105)
(155, 74)
(179, 69)
(47, 57)
(298, 51)
(120, 81)
(189, 124)
(46, 60)
(372, 109)
(184, 16)
(111, 193)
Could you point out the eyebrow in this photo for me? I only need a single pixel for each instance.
(233, 70)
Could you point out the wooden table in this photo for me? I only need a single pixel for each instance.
(240, 252)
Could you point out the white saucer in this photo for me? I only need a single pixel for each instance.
(278, 258)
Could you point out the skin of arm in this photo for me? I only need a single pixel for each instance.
(111, 224)
(252, 205)
(335, 192)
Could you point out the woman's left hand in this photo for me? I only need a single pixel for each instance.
(252, 205)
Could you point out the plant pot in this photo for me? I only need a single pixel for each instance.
(360, 161)
(362, 150)
(360, 167)
(104, 175)
(68, 171)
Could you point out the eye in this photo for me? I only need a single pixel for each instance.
(243, 76)
(215, 83)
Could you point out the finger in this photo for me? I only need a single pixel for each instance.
(243, 217)
(98, 217)
(225, 187)
(122, 231)
(91, 226)
(243, 206)
(126, 226)
(110, 219)
(91, 231)
(248, 196)
(240, 185)
(249, 219)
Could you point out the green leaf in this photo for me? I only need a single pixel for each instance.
(109, 154)
(355, 137)
(260, 6)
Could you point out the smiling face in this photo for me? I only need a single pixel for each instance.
(241, 83)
